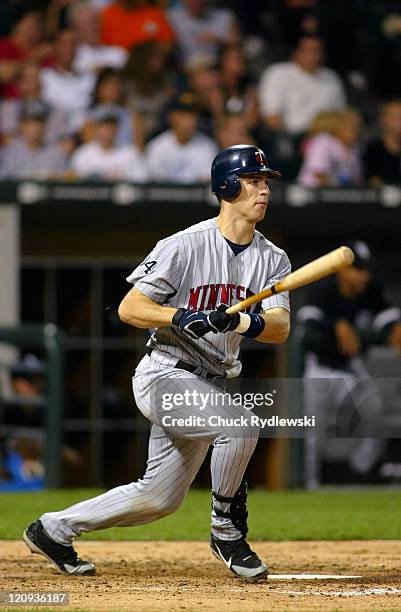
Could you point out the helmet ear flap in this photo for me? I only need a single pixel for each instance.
(230, 188)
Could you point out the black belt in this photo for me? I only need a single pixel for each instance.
(182, 365)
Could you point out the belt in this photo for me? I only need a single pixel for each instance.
(189, 367)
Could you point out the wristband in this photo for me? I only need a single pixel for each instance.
(244, 323)
(255, 328)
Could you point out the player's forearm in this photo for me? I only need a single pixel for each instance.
(277, 326)
(140, 311)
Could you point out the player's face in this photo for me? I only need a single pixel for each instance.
(357, 279)
(253, 199)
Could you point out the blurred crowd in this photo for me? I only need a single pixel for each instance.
(151, 90)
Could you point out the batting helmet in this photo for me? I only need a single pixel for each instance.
(236, 161)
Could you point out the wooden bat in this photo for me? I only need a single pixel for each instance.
(313, 271)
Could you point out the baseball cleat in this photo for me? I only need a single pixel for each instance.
(239, 558)
(64, 558)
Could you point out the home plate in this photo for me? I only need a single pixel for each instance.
(311, 577)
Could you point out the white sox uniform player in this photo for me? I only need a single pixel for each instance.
(176, 292)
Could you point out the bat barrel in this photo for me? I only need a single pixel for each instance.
(311, 272)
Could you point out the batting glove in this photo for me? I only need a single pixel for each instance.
(249, 325)
(221, 322)
(192, 322)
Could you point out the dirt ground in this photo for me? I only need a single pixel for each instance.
(175, 576)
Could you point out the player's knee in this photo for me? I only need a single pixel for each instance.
(163, 507)
(243, 438)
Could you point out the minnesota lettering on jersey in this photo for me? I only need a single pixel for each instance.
(208, 297)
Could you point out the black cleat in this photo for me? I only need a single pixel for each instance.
(64, 558)
(239, 558)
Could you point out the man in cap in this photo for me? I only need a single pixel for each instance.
(101, 158)
(181, 154)
(28, 155)
(344, 314)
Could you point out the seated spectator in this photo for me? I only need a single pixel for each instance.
(30, 89)
(181, 154)
(62, 88)
(238, 90)
(292, 93)
(127, 23)
(231, 130)
(91, 55)
(29, 156)
(200, 29)
(149, 85)
(204, 80)
(334, 159)
(382, 158)
(109, 90)
(24, 44)
(101, 158)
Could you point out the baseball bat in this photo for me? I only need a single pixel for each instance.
(312, 271)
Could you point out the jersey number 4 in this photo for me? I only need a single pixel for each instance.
(149, 265)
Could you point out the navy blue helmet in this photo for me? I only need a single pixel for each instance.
(236, 161)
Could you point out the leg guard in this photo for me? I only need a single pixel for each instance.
(238, 512)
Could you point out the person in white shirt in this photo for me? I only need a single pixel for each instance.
(292, 93)
(181, 154)
(101, 158)
(62, 87)
(91, 56)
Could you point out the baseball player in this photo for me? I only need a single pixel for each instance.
(339, 318)
(181, 292)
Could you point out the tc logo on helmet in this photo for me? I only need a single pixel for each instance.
(259, 158)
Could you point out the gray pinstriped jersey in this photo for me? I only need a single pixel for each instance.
(197, 269)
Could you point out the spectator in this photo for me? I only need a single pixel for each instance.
(232, 130)
(292, 93)
(29, 156)
(181, 154)
(29, 86)
(101, 158)
(238, 90)
(127, 23)
(91, 55)
(383, 155)
(24, 44)
(149, 84)
(334, 159)
(326, 121)
(62, 88)
(338, 320)
(109, 90)
(204, 80)
(200, 29)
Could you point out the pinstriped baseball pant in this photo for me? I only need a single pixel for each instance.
(174, 458)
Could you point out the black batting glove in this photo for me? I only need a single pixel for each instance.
(192, 322)
(220, 322)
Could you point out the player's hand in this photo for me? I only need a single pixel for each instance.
(221, 322)
(347, 338)
(192, 322)
(394, 338)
